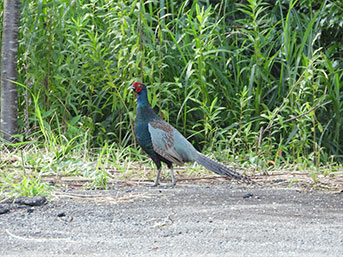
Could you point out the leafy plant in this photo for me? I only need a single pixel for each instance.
(259, 80)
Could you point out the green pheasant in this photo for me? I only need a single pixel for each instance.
(163, 143)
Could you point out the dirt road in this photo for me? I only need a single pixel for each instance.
(220, 219)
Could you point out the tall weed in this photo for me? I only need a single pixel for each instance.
(255, 78)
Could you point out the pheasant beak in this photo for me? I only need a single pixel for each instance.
(131, 87)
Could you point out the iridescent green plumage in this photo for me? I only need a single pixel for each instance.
(163, 143)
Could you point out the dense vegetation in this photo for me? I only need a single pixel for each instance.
(259, 79)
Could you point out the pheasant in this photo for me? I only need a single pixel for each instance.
(163, 143)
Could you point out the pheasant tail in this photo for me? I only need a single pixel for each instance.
(218, 167)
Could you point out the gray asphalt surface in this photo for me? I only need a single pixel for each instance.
(221, 219)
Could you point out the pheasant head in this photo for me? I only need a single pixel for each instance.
(137, 87)
(141, 92)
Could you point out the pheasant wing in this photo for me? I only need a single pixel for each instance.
(162, 137)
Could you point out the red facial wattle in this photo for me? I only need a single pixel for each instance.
(138, 87)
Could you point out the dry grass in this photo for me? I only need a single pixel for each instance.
(37, 171)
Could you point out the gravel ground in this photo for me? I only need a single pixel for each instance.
(218, 219)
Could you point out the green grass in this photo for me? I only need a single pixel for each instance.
(34, 169)
(30, 170)
(258, 84)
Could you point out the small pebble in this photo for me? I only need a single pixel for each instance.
(30, 210)
(248, 195)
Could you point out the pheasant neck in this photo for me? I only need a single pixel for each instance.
(142, 99)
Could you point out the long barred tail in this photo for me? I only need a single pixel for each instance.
(218, 167)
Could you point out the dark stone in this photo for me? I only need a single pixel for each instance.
(30, 201)
(30, 210)
(62, 214)
(248, 195)
(279, 180)
(4, 209)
